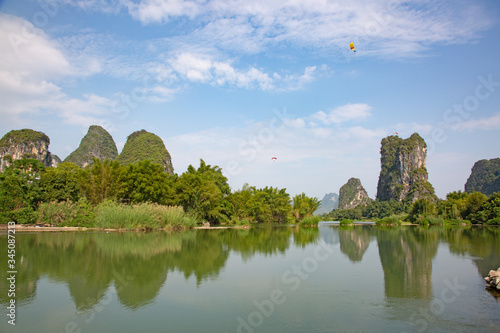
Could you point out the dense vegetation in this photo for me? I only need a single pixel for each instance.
(109, 194)
(484, 177)
(97, 143)
(20, 136)
(458, 208)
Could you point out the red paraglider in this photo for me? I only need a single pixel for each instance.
(274, 158)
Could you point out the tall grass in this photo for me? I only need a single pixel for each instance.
(391, 220)
(111, 215)
(347, 222)
(310, 220)
(66, 213)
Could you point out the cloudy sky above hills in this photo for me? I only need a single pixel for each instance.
(238, 82)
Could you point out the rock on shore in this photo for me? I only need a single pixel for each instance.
(493, 279)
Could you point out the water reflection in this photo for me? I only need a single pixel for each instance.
(406, 255)
(137, 265)
(483, 243)
(354, 241)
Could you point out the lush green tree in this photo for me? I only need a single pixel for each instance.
(204, 193)
(20, 190)
(421, 209)
(352, 214)
(304, 206)
(239, 201)
(261, 205)
(454, 207)
(100, 180)
(489, 212)
(62, 183)
(474, 203)
(146, 181)
(276, 201)
(381, 209)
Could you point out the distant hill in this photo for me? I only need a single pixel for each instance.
(25, 143)
(352, 194)
(97, 143)
(484, 177)
(142, 145)
(329, 202)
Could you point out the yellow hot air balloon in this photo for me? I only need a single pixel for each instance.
(352, 47)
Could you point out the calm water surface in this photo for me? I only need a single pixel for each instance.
(266, 279)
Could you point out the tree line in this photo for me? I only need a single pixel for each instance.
(71, 195)
(458, 208)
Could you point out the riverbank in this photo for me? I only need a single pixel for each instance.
(39, 228)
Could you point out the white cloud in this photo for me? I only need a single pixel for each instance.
(483, 124)
(162, 10)
(348, 112)
(31, 64)
(28, 52)
(384, 28)
(205, 68)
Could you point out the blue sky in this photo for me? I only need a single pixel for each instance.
(237, 82)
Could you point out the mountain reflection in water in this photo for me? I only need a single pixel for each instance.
(136, 266)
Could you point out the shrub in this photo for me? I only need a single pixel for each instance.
(23, 215)
(67, 213)
(396, 219)
(242, 222)
(346, 222)
(435, 220)
(310, 221)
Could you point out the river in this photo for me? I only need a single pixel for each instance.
(264, 279)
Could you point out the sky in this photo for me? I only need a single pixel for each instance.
(238, 82)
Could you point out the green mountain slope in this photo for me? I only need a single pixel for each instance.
(97, 143)
(142, 145)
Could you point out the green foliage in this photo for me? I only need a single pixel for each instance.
(489, 212)
(261, 205)
(474, 203)
(20, 190)
(374, 210)
(346, 222)
(141, 216)
(430, 220)
(414, 141)
(100, 181)
(62, 183)
(391, 220)
(310, 221)
(203, 192)
(304, 206)
(381, 209)
(484, 177)
(353, 214)
(146, 182)
(23, 215)
(141, 146)
(16, 137)
(139, 195)
(97, 143)
(66, 213)
(421, 210)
